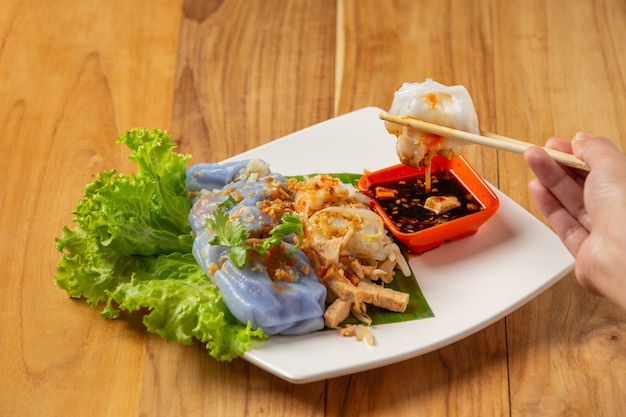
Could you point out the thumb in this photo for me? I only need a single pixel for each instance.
(595, 150)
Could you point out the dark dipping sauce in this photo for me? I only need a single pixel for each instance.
(406, 209)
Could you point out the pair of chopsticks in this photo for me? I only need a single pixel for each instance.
(485, 139)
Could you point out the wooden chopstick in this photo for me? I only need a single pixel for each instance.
(485, 139)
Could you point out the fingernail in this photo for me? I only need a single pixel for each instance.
(582, 136)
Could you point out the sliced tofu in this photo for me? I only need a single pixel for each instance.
(383, 297)
(441, 204)
(337, 312)
(384, 192)
(337, 283)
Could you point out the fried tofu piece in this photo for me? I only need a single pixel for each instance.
(384, 192)
(336, 282)
(383, 297)
(441, 204)
(337, 312)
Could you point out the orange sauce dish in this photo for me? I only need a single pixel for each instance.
(458, 202)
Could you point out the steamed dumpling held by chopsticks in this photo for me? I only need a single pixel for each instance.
(430, 101)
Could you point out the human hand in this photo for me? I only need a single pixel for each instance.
(586, 210)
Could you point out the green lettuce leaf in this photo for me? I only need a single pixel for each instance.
(131, 250)
(144, 213)
(184, 304)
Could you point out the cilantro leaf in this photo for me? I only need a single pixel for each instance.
(230, 232)
(227, 232)
(291, 223)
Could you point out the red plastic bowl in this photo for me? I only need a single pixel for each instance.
(434, 236)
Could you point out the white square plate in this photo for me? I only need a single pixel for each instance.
(469, 284)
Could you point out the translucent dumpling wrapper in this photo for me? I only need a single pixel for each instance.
(280, 294)
(250, 182)
(277, 306)
(322, 191)
(360, 231)
(215, 177)
(339, 222)
(356, 232)
(433, 102)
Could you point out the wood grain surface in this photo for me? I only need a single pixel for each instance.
(226, 76)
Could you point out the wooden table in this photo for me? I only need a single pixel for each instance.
(226, 76)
